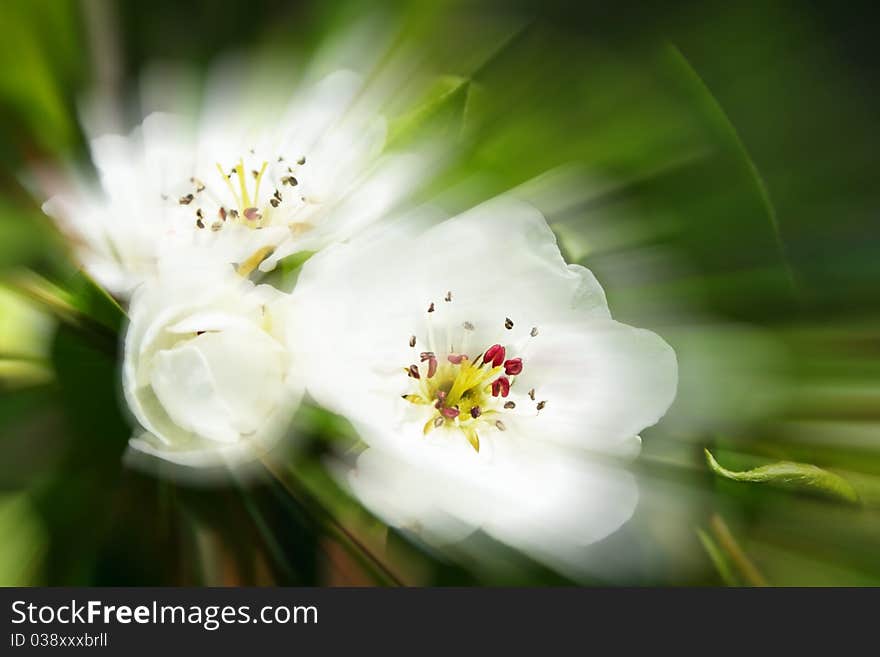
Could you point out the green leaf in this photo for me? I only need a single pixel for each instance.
(94, 302)
(79, 303)
(798, 477)
(285, 275)
(442, 113)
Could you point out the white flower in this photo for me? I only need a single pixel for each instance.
(249, 179)
(207, 372)
(487, 377)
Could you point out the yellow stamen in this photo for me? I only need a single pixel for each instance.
(246, 267)
(259, 178)
(229, 185)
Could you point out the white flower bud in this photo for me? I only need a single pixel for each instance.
(207, 372)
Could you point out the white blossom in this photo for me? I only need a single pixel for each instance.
(249, 180)
(486, 376)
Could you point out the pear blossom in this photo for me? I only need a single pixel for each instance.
(208, 372)
(251, 181)
(487, 378)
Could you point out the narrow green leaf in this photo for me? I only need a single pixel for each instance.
(94, 302)
(442, 112)
(738, 556)
(726, 125)
(799, 477)
(718, 559)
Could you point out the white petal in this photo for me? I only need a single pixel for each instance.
(184, 384)
(547, 502)
(603, 383)
(210, 320)
(308, 120)
(365, 201)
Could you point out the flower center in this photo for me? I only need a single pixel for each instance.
(467, 393)
(254, 192)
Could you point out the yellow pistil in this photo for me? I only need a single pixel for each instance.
(242, 181)
(464, 386)
(471, 434)
(470, 377)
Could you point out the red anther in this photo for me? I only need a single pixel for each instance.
(501, 386)
(432, 366)
(441, 395)
(456, 359)
(451, 412)
(513, 366)
(252, 214)
(425, 355)
(414, 371)
(476, 412)
(494, 355)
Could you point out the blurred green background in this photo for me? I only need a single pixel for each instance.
(713, 163)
